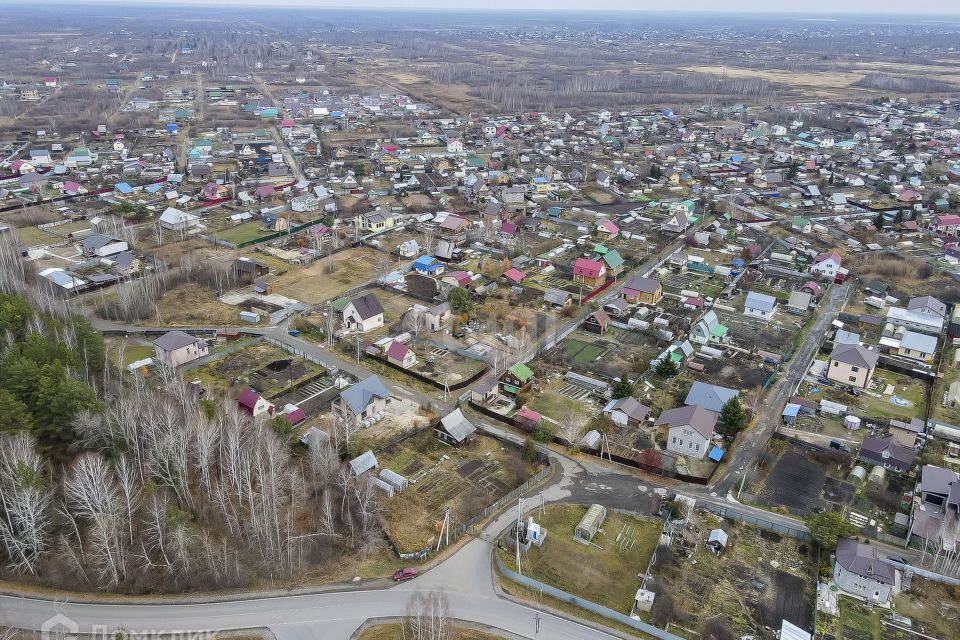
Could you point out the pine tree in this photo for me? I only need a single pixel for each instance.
(622, 387)
(732, 418)
(667, 368)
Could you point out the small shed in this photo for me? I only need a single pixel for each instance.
(851, 422)
(590, 440)
(716, 454)
(363, 463)
(644, 600)
(790, 413)
(455, 429)
(717, 541)
(590, 523)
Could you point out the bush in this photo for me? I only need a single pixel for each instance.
(545, 432)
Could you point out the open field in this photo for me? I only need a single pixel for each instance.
(312, 284)
(464, 480)
(193, 305)
(605, 572)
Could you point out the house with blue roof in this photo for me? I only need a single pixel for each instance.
(363, 401)
(711, 397)
(124, 188)
(428, 266)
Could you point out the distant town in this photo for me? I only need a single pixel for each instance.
(313, 316)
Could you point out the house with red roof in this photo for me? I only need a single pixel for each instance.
(72, 188)
(592, 273)
(607, 229)
(945, 225)
(514, 275)
(909, 196)
(826, 265)
(401, 355)
(508, 230)
(460, 279)
(253, 404)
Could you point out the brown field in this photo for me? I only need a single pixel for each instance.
(193, 305)
(313, 285)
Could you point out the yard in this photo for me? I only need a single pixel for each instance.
(557, 400)
(313, 284)
(605, 572)
(194, 305)
(891, 395)
(123, 352)
(931, 607)
(464, 480)
(238, 234)
(262, 366)
(760, 579)
(948, 414)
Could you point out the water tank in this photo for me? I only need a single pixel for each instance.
(851, 422)
(857, 474)
(877, 475)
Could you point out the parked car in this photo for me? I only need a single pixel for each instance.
(839, 446)
(407, 573)
(459, 334)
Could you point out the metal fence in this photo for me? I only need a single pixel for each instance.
(559, 594)
(733, 513)
(296, 351)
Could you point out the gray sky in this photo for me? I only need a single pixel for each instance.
(943, 7)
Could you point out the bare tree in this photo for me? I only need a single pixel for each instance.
(415, 321)
(571, 427)
(428, 617)
(25, 503)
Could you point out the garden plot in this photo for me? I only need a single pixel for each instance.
(268, 369)
(315, 283)
(705, 284)
(795, 482)
(759, 580)
(464, 480)
(891, 395)
(605, 572)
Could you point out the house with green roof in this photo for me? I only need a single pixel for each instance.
(517, 379)
(801, 224)
(614, 262)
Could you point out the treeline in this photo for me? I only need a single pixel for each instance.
(903, 84)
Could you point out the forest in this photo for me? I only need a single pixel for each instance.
(112, 481)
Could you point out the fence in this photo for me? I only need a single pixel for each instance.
(298, 352)
(563, 596)
(426, 380)
(733, 513)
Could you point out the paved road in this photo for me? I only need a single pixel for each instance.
(754, 441)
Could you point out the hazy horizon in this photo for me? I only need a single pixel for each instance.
(810, 7)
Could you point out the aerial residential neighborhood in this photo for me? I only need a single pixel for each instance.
(467, 325)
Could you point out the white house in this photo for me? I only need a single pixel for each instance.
(175, 348)
(174, 219)
(688, 430)
(826, 265)
(759, 305)
(363, 314)
(858, 570)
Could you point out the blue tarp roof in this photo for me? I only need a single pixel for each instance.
(123, 187)
(716, 454)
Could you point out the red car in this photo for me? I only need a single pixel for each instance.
(407, 573)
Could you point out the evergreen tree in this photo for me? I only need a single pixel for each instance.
(667, 368)
(622, 387)
(732, 418)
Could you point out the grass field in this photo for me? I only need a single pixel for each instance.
(395, 632)
(33, 236)
(858, 621)
(193, 305)
(312, 284)
(582, 352)
(601, 573)
(241, 233)
(553, 404)
(123, 353)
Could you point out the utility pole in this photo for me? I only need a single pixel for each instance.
(536, 624)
